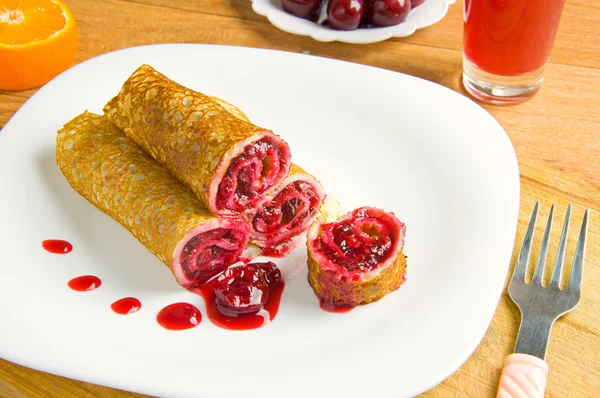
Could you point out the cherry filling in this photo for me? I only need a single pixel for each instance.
(261, 165)
(358, 242)
(209, 253)
(179, 316)
(289, 210)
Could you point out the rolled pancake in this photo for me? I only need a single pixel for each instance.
(121, 180)
(229, 163)
(287, 211)
(356, 259)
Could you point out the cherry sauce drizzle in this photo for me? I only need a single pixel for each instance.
(85, 283)
(245, 321)
(126, 306)
(57, 246)
(179, 316)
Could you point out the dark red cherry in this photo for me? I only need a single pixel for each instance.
(241, 289)
(345, 14)
(387, 12)
(270, 271)
(414, 3)
(301, 8)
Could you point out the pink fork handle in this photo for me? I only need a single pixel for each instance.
(523, 376)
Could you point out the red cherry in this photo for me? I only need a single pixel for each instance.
(301, 8)
(387, 12)
(241, 290)
(270, 271)
(345, 14)
(414, 3)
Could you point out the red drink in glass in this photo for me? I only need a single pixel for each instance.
(507, 43)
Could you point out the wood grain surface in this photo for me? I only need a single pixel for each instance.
(556, 136)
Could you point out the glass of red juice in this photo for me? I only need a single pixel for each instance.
(507, 44)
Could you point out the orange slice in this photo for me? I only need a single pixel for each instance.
(38, 40)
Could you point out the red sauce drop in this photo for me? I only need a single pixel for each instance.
(57, 246)
(179, 316)
(247, 321)
(127, 305)
(331, 308)
(85, 283)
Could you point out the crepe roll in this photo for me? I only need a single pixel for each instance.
(356, 259)
(286, 213)
(229, 163)
(121, 180)
(280, 219)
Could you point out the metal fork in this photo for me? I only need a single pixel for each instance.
(525, 372)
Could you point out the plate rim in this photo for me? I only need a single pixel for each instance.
(435, 381)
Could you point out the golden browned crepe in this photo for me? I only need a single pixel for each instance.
(229, 163)
(286, 213)
(120, 179)
(281, 217)
(356, 259)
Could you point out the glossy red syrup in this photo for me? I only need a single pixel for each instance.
(331, 308)
(244, 321)
(179, 316)
(127, 305)
(510, 37)
(57, 246)
(85, 283)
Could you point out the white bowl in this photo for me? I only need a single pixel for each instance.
(426, 14)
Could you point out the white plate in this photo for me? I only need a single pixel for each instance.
(439, 161)
(426, 14)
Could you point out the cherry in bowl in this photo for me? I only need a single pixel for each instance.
(387, 12)
(302, 8)
(345, 14)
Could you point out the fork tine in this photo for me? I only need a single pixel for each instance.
(521, 266)
(560, 256)
(541, 264)
(577, 270)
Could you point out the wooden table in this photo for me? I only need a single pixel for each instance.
(556, 136)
